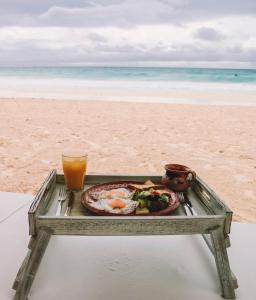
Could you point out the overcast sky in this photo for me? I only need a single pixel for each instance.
(128, 32)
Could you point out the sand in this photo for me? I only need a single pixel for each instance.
(218, 142)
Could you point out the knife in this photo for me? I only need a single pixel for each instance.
(189, 204)
(70, 203)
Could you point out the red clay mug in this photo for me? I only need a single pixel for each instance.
(178, 177)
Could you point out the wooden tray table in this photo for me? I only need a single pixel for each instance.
(212, 220)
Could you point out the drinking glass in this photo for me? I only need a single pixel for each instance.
(74, 168)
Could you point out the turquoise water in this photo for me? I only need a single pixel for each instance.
(135, 73)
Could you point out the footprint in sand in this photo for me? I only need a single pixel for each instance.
(241, 178)
(246, 157)
(7, 173)
(250, 194)
(93, 146)
(46, 162)
(148, 166)
(208, 167)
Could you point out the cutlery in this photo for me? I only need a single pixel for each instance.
(61, 199)
(189, 204)
(70, 203)
(184, 204)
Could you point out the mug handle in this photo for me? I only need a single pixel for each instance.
(191, 175)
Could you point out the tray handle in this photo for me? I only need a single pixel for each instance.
(212, 201)
(39, 200)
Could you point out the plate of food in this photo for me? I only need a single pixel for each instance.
(129, 198)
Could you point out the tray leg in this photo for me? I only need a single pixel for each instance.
(29, 267)
(24, 263)
(21, 271)
(222, 263)
(208, 242)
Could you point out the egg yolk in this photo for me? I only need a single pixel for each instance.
(117, 203)
(111, 194)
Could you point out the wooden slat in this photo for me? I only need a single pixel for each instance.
(130, 225)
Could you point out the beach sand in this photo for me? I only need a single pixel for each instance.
(218, 142)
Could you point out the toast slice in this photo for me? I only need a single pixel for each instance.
(146, 186)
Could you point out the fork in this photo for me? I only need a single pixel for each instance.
(187, 205)
(61, 199)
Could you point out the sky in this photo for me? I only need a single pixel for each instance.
(182, 33)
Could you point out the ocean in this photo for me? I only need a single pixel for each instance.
(234, 76)
(91, 83)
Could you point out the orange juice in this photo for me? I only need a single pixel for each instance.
(74, 171)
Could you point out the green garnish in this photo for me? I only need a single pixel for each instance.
(150, 200)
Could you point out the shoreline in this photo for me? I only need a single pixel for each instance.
(218, 142)
(183, 97)
(170, 92)
(190, 103)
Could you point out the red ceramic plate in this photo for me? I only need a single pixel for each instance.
(86, 198)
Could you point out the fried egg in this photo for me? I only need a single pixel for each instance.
(116, 206)
(120, 193)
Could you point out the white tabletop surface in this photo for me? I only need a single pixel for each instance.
(122, 268)
(12, 203)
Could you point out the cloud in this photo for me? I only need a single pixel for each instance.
(121, 13)
(63, 32)
(209, 34)
(124, 14)
(35, 52)
(95, 37)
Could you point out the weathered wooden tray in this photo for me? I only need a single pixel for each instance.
(209, 208)
(212, 220)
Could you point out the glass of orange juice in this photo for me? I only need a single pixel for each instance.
(74, 168)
